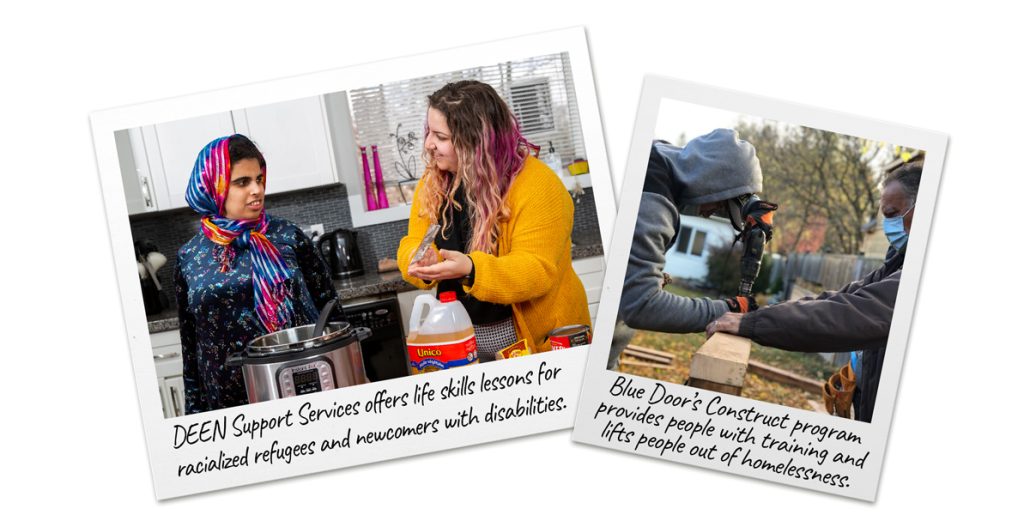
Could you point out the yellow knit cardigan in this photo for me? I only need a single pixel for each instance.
(532, 270)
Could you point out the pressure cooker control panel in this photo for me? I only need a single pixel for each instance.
(315, 376)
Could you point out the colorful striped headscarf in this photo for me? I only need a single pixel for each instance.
(205, 193)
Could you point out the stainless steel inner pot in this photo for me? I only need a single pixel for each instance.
(297, 338)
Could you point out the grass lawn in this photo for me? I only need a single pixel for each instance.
(684, 346)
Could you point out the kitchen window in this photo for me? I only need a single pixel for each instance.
(531, 103)
(392, 115)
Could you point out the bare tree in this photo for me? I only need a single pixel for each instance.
(821, 179)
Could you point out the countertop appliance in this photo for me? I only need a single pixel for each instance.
(340, 248)
(295, 361)
(385, 351)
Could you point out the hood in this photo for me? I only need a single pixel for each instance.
(714, 167)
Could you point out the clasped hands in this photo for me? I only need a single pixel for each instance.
(438, 266)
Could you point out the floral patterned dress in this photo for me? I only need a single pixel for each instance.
(216, 309)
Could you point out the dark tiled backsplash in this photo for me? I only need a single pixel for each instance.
(327, 206)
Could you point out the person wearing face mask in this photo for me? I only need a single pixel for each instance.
(714, 174)
(505, 241)
(854, 318)
(243, 275)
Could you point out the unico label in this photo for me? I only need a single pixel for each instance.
(429, 357)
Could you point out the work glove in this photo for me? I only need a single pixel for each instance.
(760, 214)
(742, 304)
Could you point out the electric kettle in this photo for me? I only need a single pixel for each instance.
(340, 249)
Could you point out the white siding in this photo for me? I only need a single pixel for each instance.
(686, 265)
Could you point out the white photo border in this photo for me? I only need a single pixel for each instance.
(158, 430)
(656, 88)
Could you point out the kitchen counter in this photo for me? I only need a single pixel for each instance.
(371, 284)
(361, 286)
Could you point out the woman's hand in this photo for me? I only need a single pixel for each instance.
(453, 266)
(430, 257)
(727, 323)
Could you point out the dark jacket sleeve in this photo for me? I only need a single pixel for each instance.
(644, 304)
(316, 272)
(855, 318)
(193, 391)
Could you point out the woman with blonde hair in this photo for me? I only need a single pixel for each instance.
(505, 240)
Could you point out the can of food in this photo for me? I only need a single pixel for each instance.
(569, 336)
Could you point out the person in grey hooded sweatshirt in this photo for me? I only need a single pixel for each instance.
(712, 174)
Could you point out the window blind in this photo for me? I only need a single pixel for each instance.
(539, 90)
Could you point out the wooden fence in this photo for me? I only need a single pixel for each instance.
(811, 274)
(827, 271)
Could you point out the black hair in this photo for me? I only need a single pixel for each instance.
(908, 177)
(241, 147)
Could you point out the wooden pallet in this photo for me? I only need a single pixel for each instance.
(648, 364)
(785, 377)
(643, 356)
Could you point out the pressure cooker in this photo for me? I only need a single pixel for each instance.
(301, 360)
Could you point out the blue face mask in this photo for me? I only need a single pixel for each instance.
(894, 229)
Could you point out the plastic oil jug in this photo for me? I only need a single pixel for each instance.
(445, 339)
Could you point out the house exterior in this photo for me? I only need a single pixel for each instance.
(688, 257)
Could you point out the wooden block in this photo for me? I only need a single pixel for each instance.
(721, 360)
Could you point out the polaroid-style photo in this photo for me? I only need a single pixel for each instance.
(263, 239)
(761, 287)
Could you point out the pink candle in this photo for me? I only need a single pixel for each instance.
(383, 201)
(370, 197)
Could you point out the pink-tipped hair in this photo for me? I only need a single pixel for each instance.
(490, 149)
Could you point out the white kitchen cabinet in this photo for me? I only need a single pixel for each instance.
(293, 136)
(172, 389)
(171, 151)
(136, 183)
(591, 273)
(167, 353)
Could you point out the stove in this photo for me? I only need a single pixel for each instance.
(384, 352)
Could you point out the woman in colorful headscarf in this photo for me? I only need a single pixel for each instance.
(506, 223)
(245, 274)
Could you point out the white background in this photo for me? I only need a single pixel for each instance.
(71, 429)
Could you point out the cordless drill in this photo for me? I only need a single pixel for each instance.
(756, 230)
